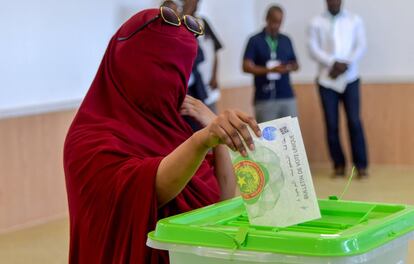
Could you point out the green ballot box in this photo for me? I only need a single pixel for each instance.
(348, 232)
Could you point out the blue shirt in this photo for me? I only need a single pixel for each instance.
(259, 52)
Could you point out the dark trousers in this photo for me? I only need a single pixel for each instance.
(350, 99)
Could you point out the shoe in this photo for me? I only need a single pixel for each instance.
(339, 171)
(362, 174)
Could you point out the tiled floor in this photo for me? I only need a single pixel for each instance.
(49, 243)
(38, 245)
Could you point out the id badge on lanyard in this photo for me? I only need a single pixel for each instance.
(273, 62)
(273, 55)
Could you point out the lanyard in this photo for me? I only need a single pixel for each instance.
(272, 43)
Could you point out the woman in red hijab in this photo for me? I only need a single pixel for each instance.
(130, 158)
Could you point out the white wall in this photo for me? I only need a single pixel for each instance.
(127, 8)
(50, 50)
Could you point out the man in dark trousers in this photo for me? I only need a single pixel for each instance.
(337, 43)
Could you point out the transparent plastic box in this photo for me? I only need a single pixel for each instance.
(348, 232)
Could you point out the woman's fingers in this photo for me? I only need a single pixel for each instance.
(250, 121)
(190, 100)
(236, 124)
(233, 134)
(240, 121)
(198, 110)
(188, 103)
(241, 128)
(185, 112)
(223, 136)
(186, 109)
(232, 128)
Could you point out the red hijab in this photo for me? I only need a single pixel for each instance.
(128, 121)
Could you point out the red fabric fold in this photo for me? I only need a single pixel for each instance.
(128, 121)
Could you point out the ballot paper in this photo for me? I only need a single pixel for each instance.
(275, 180)
(338, 85)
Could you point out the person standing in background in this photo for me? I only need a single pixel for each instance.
(204, 74)
(337, 42)
(270, 57)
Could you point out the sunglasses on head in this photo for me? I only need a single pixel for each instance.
(170, 17)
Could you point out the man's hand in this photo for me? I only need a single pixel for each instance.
(282, 69)
(213, 83)
(337, 69)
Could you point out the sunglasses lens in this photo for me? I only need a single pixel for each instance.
(170, 16)
(193, 25)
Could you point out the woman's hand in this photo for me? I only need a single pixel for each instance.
(230, 128)
(198, 110)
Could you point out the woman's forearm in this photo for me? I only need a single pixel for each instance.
(224, 172)
(229, 128)
(176, 169)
